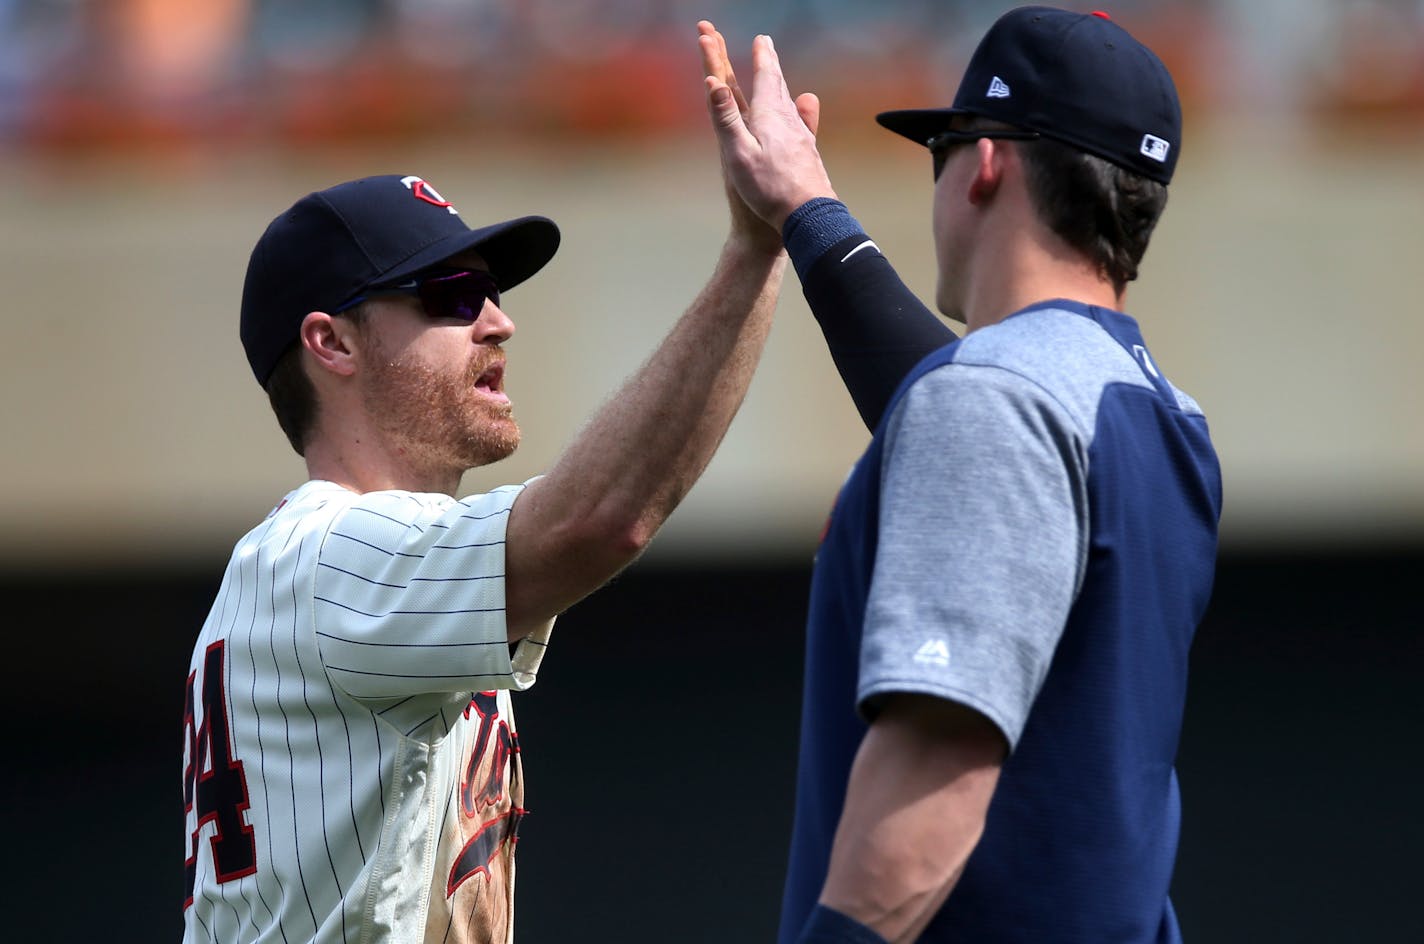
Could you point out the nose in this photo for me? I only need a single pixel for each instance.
(493, 326)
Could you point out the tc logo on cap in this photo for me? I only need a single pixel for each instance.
(423, 191)
(1155, 148)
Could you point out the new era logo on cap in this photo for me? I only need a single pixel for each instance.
(998, 88)
(1155, 148)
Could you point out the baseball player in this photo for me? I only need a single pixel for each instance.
(1004, 600)
(351, 763)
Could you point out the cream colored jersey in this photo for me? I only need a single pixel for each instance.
(352, 768)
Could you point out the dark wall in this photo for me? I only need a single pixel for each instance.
(660, 753)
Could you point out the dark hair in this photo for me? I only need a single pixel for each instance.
(293, 395)
(1098, 208)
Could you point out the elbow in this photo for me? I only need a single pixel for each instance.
(625, 541)
(606, 541)
(635, 537)
(895, 885)
(620, 528)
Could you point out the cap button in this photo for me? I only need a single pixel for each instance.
(1100, 13)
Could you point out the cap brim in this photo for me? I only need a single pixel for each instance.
(918, 124)
(514, 250)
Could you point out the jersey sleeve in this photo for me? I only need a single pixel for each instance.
(982, 544)
(409, 597)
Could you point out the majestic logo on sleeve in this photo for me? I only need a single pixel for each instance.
(933, 651)
(423, 191)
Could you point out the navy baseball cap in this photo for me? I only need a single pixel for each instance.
(1078, 78)
(334, 244)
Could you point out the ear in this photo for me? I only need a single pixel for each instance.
(331, 341)
(988, 172)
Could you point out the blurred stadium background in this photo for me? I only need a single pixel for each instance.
(144, 144)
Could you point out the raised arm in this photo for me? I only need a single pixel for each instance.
(875, 327)
(617, 482)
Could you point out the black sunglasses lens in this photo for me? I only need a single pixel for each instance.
(460, 296)
(940, 147)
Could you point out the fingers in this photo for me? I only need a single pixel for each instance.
(730, 77)
(711, 67)
(712, 57)
(726, 116)
(767, 79)
(768, 84)
(716, 61)
(808, 106)
(724, 100)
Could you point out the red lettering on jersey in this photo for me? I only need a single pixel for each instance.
(482, 785)
(476, 799)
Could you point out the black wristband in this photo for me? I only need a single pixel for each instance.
(875, 327)
(813, 227)
(828, 926)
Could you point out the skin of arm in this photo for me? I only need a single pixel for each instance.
(616, 483)
(915, 806)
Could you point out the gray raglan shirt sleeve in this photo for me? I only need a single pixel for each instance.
(982, 544)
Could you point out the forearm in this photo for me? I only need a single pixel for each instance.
(875, 328)
(915, 805)
(643, 451)
(626, 471)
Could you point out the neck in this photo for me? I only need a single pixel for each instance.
(1027, 265)
(360, 460)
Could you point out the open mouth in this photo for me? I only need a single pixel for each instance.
(491, 382)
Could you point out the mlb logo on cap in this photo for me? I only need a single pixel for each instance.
(1155, 148)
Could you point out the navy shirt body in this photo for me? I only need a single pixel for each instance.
(1032, 533)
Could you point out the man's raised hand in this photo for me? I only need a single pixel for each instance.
(767, 140)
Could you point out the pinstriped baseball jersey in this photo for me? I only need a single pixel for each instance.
(352, 768)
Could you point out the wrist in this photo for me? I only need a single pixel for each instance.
(816, 226)
(754, 245)
(828, 926)
(781, 214)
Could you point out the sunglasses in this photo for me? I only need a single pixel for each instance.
(941, 144)
(460, 293)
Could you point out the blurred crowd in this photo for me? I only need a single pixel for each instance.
(82, 73)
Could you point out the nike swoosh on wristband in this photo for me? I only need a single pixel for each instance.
(868, 242)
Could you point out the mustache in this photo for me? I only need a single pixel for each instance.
(491, 357)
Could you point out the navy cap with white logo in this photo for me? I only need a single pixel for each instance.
(1077, 78)
(332, 245)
